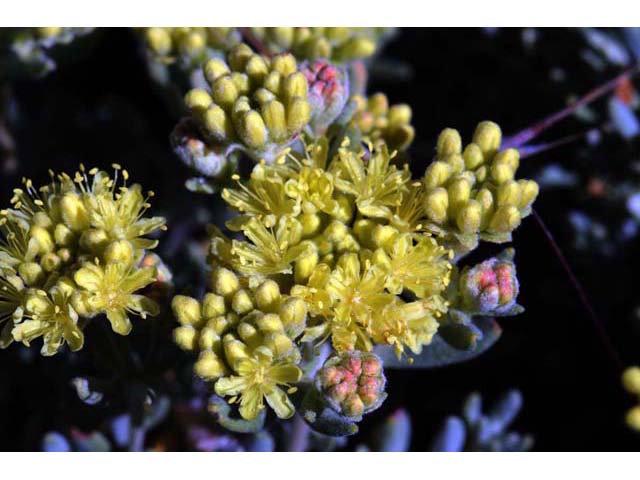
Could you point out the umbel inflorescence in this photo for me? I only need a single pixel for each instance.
(345, 248)
(70, 251)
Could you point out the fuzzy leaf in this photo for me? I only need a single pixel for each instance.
(439, 353)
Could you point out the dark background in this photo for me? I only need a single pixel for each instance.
(103, 108)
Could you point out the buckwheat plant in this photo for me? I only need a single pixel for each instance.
(70, 252)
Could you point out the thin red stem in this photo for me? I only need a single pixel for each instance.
(584, 299)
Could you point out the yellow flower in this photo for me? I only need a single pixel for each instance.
(51, 316)
(270, 251)
(120, 213)
(356, 294)
(110, 289)
(258, 378)
(377, 185)
(420, 267)
(11, 304)
(263, 196)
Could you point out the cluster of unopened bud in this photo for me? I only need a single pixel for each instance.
(353, 383)
(337, 44)
(190, 45)
(377, 121)
(328, 92)
(256, 103)
(473, 191)
(491, 287)
(235, 319)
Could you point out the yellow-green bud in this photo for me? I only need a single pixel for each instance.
(384, 235)
(284, 63)
(74, 212)
(459, 192)
(456, 161)
(473, 156)
(120, 251)
(298, 114)
(186, 337)
(530, 190)
(488, 137)
(234, 349)
(269, 323)
(209, 339)
(50, 262)
(311, 223)
(192, 43)
(257, 69)
(436, 204)
(253, 129)
(279, 343)
(43, 220)
(63, 235)
(217, 123)
(437, 174)
(239, 56)
(241, 302)
(293, 314)
(159, 40)
(186, 310)
(505, 219)
(224, 92)
(213, 306)
(501, 172)
(510, 156)
(214, 69)
(509, 193)
(94, 240)
(209, 366)
(336, 231)
(268, 296)
(469, 217)
(631, 380)
(273, 113)
(295, 85)
(305, 265)
(42, 239)
(400, 114)
(225, 282)
(449, 143)
(633, 418)
(31, 273)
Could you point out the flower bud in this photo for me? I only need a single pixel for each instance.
(273, 113)
(449, 142)
(505, 219)
(490, 287)
(473, 156)
(530, 190)
(328, 93)
(74, 213)
(436, 203)
(510, 157)
(509, 193)
(186, 310)
(94, 240)
(293, 314)
(225, 282)
(631, 380)
(213, 306)
(209, 366)
(633, 418)
(267, 296)
(502, 172)
(63, 235)
(120, 251)
(469, 217)
(159, 40)
(197, 100)
(31, 273)
(215, 68)
(488, 137)
(437, 174)
(241, 302)
(50, 262)
(186, 337)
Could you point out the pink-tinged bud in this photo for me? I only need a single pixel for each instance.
(328, 92)
(353, 383)
(354, 365)
(371, 366)
(491, 287)
(339, 392)
(353, 406)
(331, 376)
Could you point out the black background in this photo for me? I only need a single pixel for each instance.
(103, 108)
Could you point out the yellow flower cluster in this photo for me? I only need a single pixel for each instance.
(69, 251)
(192, 44)
(473, 193)
(253, 103)
(337, 44)
(245, 336)
(631, 383)
(378, 122)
